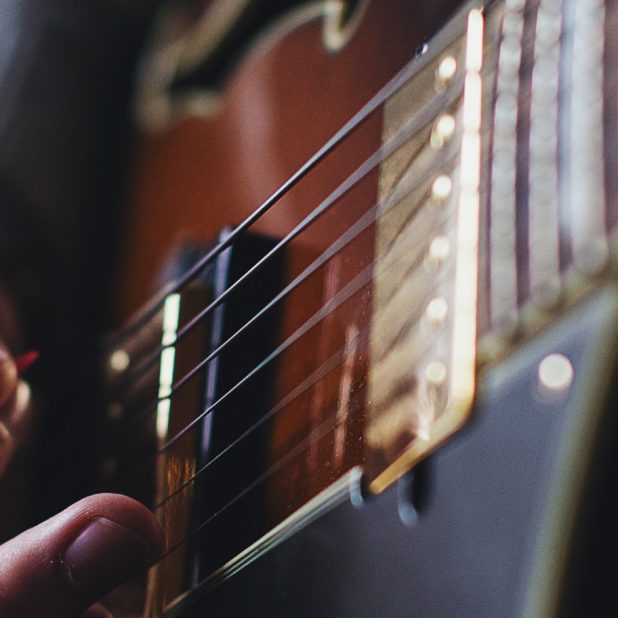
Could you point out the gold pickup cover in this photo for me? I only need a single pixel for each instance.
(423, 331)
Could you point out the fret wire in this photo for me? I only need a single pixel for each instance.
(543, 197)
(503, 287)
(387, 91)
(586, 150)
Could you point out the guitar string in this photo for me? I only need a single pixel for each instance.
(339, 298)
(328, 365)
(416, 123)
(332, 362)
(389, 202)
(315, 435)
(319, 432)
(361, 224)
(388, 90)
(358, 227)
(362, 278)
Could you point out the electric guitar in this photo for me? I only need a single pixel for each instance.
(378, 378)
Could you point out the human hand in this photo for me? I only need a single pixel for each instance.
(66, 79)
(62, 566)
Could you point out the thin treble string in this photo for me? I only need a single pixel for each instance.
(347, 292)
(412, 126)
(315, 435)
(331, 363)
(362, 279)
(318, 433)
(391, 87)
(390, 201)
(324, 369)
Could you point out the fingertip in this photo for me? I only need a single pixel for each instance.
(126, 512)
(87, 550)
(118, 538)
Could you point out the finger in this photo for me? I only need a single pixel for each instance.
(8, 375)
(61, 567)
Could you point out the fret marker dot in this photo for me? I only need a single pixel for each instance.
(437, 310)
(446, 69)
(441, 189)
(119, 360)
(555, 373)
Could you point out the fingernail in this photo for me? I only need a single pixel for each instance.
(104, 555)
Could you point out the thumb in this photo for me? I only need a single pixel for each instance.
(61, 567)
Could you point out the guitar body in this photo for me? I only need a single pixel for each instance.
(515, 517)
(506, 519)
(287, 97)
